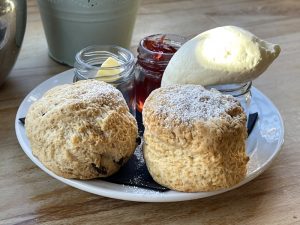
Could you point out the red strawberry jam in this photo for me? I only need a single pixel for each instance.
(154, 54)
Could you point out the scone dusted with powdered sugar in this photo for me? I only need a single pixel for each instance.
(194, 138)
(82, 130)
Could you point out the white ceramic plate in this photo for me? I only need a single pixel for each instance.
(263, 145)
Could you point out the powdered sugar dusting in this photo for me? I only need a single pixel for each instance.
(139, 155)
(142, 191)
(91, 89)
(140, 162)
(187, 103)
(84, 91)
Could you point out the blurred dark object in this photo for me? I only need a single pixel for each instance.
(12, 28)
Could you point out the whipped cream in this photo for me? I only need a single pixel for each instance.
(221, 55)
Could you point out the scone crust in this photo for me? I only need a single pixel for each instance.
(195, 142)
(82, 130)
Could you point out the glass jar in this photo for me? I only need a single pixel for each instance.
(240, 91)
(89, 60)
(151, 63)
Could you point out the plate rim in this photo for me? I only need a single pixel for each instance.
(141, 197)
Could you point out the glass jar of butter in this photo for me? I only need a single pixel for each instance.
(88, 63)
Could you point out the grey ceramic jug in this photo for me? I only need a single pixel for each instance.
(71, 25)
(12, 28)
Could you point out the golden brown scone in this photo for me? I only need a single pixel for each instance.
(194, 138)
(82, 130)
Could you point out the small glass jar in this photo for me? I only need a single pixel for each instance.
(240, 91)
(152, 64)
(89, 60)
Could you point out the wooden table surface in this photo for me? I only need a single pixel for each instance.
(30, 196)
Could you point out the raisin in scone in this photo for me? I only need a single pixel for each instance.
(194, 138)
(82, 130)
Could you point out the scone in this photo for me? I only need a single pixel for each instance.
(194, 138)
(82, 130)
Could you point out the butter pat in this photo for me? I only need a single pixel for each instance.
(221, 55)
(109, 70)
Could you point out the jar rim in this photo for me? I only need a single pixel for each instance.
(239, 88)
(180, 40)
(104, 49)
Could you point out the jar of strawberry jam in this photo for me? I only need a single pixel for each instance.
(154, 54)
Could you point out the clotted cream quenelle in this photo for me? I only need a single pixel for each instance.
(222, 55)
